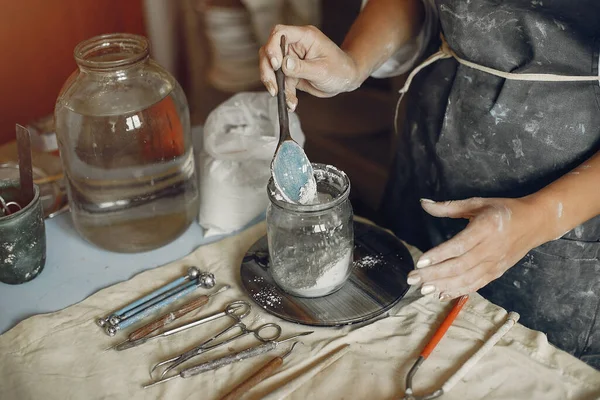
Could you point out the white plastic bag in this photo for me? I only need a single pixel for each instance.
(240, 137)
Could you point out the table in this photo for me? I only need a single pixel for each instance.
(75, 269)
(63, 351)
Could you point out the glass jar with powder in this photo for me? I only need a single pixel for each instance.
(311, 246)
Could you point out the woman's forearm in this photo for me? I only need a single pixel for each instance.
(380, 30)
(570, 200)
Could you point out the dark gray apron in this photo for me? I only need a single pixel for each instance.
(469, 134)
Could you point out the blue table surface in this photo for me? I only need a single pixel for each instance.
(75, 269)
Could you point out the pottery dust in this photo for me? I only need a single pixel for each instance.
(320, 263)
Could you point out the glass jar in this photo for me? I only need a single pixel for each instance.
(311, 247)
(123, 128)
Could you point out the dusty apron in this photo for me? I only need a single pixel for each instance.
(469, 133)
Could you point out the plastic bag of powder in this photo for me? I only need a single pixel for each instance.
(240, 137)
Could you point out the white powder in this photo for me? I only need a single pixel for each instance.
(268, 296)
(308, 192)
(369, 261)
(277, 194)
(332, 276)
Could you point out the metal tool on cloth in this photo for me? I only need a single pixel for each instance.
(238, 308)
(192, 273)
(213, 342)
(512, 319)
(161, 302)
(265, 347)
(263, 373)
(437, 336)
(168, 318)
(193, 279)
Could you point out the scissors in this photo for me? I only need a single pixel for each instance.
(264, 333)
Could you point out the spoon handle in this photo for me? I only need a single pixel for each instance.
(284, 122)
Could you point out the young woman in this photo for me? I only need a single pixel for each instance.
(511, 167)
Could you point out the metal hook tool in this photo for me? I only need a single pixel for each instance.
(512, 319)
(265, 347)
(437, 336)
(238, 308)
(212, 343)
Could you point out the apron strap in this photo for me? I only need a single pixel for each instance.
(446, 52)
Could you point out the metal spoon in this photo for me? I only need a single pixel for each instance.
(292, 171)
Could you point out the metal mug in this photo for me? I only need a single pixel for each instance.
(22, 237)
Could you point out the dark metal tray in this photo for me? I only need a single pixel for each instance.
(377, 282)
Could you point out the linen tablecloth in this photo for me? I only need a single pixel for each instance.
(60, 355)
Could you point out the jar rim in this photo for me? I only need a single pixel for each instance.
(308, 208)
(125, 48)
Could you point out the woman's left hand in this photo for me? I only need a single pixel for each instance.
(500, 232)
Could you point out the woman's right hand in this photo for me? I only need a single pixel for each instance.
(313, 64)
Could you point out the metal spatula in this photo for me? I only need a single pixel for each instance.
(292, 171)
(25, 165)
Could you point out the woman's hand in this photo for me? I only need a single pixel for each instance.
(313, 64)
(500, 232)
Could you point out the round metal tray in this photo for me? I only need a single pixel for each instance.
(377, 282)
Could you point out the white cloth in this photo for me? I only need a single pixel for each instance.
(59, 355)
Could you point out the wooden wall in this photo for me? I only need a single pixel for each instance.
(37, 38)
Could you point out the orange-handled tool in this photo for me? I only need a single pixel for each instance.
(441, 331)
(437, 336)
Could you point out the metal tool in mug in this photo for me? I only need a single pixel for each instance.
(238, 308)
(192, 274)
(212, 365)
(212, 343)
(5, 207)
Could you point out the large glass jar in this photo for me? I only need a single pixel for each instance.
(311, 247)
(123, 127)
